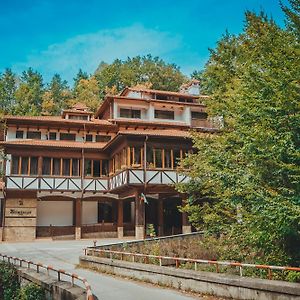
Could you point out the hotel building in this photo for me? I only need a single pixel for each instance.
(107, 174)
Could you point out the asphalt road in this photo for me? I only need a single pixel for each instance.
(64, 255)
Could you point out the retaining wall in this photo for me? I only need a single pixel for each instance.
(202, 282)
(54, 289)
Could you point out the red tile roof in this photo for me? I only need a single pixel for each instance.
(55, 144)
(166, 133)
(58, 119)
(184, 95)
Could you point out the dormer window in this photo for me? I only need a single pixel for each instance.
(130, 113)
(78, 112)
(78, 117)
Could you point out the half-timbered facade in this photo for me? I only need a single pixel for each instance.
(106, 174)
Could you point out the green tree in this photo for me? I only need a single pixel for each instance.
(29, 94)
(56, 96)
(292, 13)
(245, 180)
(148, 70)
(80, 75)
(8, 85)
(87, 92)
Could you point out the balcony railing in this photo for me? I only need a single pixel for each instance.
(115, 181)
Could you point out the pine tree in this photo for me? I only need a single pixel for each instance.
(56, 97)
(8, 85)
(29, 94)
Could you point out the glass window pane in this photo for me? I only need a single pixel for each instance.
(66, 167)
(105, 167)
(150, 161)
(75, 169)
(24, 165)
(168, 163)
(158, 158)
(87, 167)
(33, 166)
(56, 166)
(67, 136)
(96, 168)
(19, 134)
(36, 135)
(15, 165)
(46, 169)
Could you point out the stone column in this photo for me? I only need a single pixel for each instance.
(160, 215)
(78, 213)
(186, 226)
(139, 217)
(120, 219)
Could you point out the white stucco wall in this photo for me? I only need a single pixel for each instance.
(89, 212)
(58, 213)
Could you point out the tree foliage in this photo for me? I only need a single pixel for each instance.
(245, 180)
(56, 96)
(29, 94)
(139, 70)
(8, 86)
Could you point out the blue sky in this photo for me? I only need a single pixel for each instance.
(61, 36)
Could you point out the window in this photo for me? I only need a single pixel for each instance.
(56, 166)
(76, 117)
(33, 165)
(103, 138)
(46, 169)
(87, 167)
(66, 167)
(68, 136)
(24, 165)
(176, 157)
(199, 115)
(130, 113)
(158, 158)
(52, 135)
(89, 138)
(19, 134)
(35, 135)
(164, 114)
(96, 168)
(150, 157)
(105, 212)
(168, 159)
(75, 167)
(104, 167)
(15, 165)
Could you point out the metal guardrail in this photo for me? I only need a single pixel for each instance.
(60, 272)
(178, 260)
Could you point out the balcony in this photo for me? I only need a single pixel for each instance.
(109, 184)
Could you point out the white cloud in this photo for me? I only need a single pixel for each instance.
(86, 51)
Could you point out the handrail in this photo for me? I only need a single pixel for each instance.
(38, 266)
(179, 260)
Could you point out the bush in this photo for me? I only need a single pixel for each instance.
(10, 287)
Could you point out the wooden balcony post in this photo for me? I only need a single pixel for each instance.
(186, 226)
(139, 216)
(120, 219)
(78, 213)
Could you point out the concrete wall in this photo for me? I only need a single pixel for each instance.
(57, 213)
(55, 290)
(20, 220)
(220, 285)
